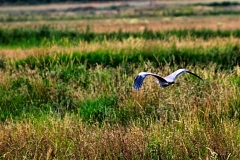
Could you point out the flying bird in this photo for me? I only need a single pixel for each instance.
(163, 82)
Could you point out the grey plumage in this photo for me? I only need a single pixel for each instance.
(163, 82)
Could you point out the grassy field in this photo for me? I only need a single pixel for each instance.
(120, 9)
(66, 89)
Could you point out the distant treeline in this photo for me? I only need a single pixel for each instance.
(22, 2)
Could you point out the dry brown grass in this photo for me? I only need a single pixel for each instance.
(116, 46)
(193, 123)
(68, 138)
(192, 133)
(61, 6)
(193, 119)
(111, 25)
(192, 138)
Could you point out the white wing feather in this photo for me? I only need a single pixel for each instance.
(174, 75)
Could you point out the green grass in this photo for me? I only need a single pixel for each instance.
(35, 13)
(219, 4)
(69, 104)
(46, 36)
(46, 83)
(187, 121)
(225, 57)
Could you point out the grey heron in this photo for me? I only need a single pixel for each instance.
(163, 82)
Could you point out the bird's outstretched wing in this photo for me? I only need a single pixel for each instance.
(174, 75)
(138, 81)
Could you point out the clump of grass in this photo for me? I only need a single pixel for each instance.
(28, 92)
(191, 140)
(2, 63)
(69, 138)
(98, 110)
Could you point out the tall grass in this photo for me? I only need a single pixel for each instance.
(78, 102)
(225, 56)
(45, 35)
(110, 120)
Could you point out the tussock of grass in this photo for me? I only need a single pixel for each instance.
(70, 139)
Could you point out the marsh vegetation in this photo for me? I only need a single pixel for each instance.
(67, 93)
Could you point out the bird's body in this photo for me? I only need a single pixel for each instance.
(163, 82)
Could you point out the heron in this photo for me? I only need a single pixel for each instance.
(163, 82)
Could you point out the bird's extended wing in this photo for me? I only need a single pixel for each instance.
(194, 75)
(174, 75)
(138, 81)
